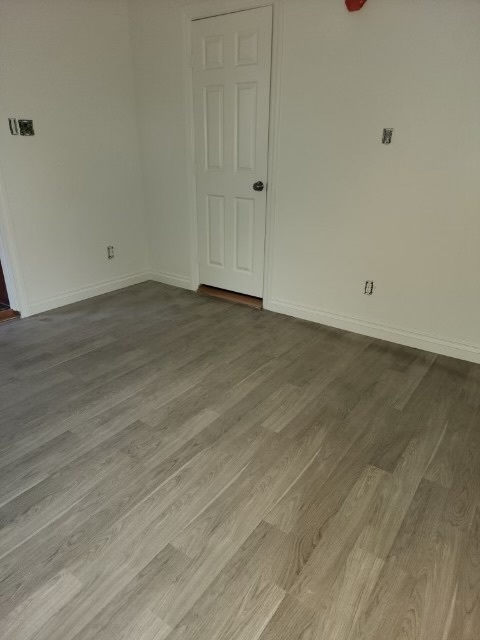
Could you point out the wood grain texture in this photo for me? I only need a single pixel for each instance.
(176, 467)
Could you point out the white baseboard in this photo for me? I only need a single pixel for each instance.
(426, 342)
(76, 295)
(417, 340)
(171, 278)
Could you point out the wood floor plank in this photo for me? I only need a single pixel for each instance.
(240, 601)
(414, 375)
(465, 624)
(291, 621)
(345, 454)
(464, 493)
(215, 536)
(314, 585)
(37, 465)
(131, 614)
(174, 504)
(443, 467)
(428, 547)
(382, 613)
(69, 411)
(69, 537)
(398, 490)
(95, 594)
(349, 596)
(23, 622)
(31, 511)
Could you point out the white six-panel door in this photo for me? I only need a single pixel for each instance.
(231, 90)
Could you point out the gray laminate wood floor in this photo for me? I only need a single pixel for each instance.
(179, 467)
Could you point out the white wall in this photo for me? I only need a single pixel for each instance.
(159, 71)
(76, 186)
(348, 208)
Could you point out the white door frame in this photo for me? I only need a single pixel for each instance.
(9, 257)
(209, 9)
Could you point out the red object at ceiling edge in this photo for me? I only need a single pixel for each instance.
(354, 5)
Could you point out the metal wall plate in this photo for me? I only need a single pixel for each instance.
(26, 127)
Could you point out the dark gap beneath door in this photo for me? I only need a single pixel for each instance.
(230, 296)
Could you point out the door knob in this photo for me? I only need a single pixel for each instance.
(258, 186)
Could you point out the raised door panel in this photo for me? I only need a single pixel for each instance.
(246, 48)
(245, 125)
(215, 209)
(213, 127)
(213, 52)
(244, 238)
